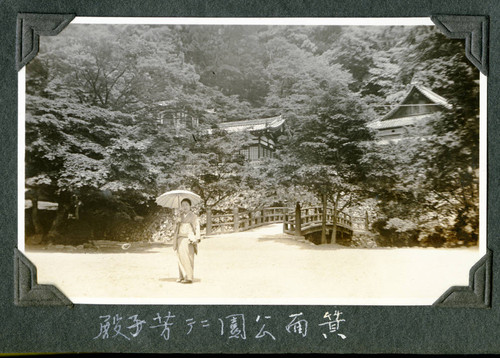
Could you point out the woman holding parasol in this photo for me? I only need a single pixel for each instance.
(187, 230)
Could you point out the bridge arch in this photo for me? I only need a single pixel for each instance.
(297, 221)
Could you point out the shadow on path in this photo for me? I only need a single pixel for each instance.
(111, 248)
(174, 279)
(301, 243)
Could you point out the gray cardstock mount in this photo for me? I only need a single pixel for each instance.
(29, 29)
(28, 292)
(475, 31)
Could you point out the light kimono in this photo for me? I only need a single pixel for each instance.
(186, 238)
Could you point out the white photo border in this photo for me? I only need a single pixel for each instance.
(246, 21)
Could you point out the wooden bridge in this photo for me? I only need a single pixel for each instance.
(296, 221)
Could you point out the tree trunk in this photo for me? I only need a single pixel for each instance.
(35, 218)
(77, 208)
(236, 220)
(298, 224)
(323, 221)
(208, 229)
(333, 238)
(61, 216)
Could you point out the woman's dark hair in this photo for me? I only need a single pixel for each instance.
(186, 199)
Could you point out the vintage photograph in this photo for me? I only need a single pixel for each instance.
(214, 163)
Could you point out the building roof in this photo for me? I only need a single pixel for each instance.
(396, 122)
(434, 97)
(253, 124)
(387, 122)
(427, 92)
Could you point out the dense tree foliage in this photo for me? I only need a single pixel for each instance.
(98, 141)
(434, 183)
(325, 155)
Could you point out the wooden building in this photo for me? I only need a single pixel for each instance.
(417, 105)
(175, 117)
(265, 131)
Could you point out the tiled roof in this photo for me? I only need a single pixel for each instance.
(434, 97)
(427, 92)
(396, 122)
(253, 124)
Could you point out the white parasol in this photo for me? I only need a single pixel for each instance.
(172, 199)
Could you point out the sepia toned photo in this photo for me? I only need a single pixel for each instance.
(218, 162)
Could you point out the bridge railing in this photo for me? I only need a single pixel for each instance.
(240, 221)
(303, 218)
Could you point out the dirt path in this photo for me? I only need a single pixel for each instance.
(258, 266)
